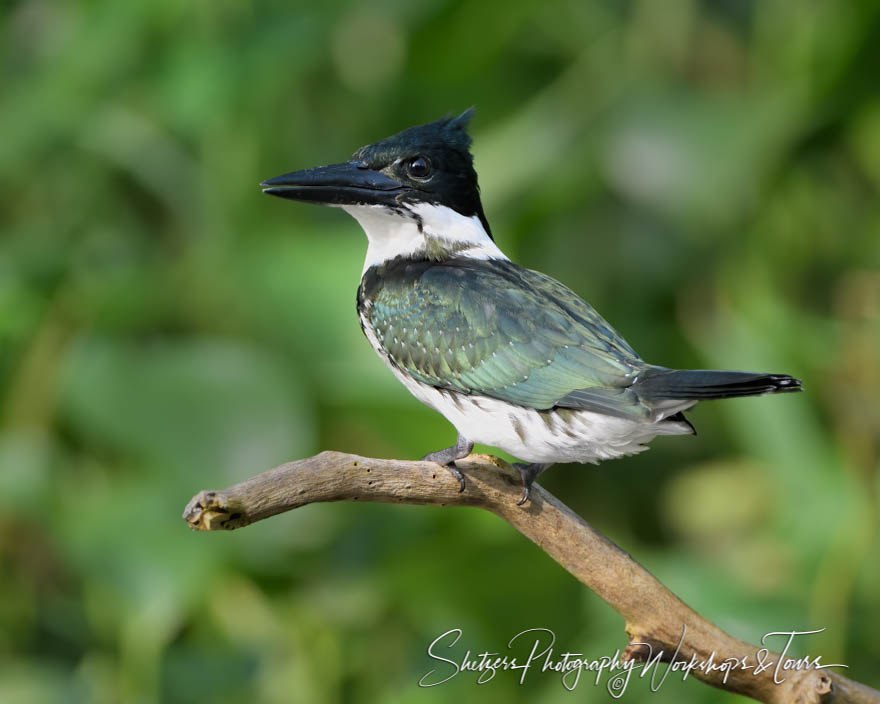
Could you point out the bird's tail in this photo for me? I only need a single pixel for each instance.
(702, 384)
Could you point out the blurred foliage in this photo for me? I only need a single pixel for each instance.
(706, 173)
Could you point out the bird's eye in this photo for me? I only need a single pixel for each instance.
(419, 167)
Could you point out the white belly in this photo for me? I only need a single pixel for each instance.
(559, 435)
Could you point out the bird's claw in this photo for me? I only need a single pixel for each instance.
(450, 467)
(446, 458)
(454, 471)
(528, 473)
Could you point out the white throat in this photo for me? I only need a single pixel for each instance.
(393, 234)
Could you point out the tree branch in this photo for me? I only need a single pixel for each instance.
(655, 618)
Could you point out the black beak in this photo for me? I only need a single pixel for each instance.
(351, 183)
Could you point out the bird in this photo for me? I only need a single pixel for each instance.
(509, 356)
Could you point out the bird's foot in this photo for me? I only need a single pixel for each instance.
(455, 472)
(446, 458)
(529, 473)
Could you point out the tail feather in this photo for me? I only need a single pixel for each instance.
(703, 384)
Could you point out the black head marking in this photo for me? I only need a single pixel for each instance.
(434, 160)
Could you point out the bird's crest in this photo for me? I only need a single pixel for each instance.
(447, 133)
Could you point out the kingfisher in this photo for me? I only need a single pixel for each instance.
(511, 357)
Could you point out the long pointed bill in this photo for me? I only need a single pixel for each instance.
(350, 183)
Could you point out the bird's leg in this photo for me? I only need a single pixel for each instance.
(447, 457)
(529, 473)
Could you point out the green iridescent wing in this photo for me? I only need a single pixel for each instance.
(495, 329)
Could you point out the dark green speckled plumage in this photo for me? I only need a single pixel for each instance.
(492, 328)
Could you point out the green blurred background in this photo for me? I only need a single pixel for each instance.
(705, 173)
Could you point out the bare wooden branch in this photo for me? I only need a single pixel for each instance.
(655, 618)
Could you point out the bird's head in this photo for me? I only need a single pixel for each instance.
(424, 174)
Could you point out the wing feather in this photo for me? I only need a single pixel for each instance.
(495, 329)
